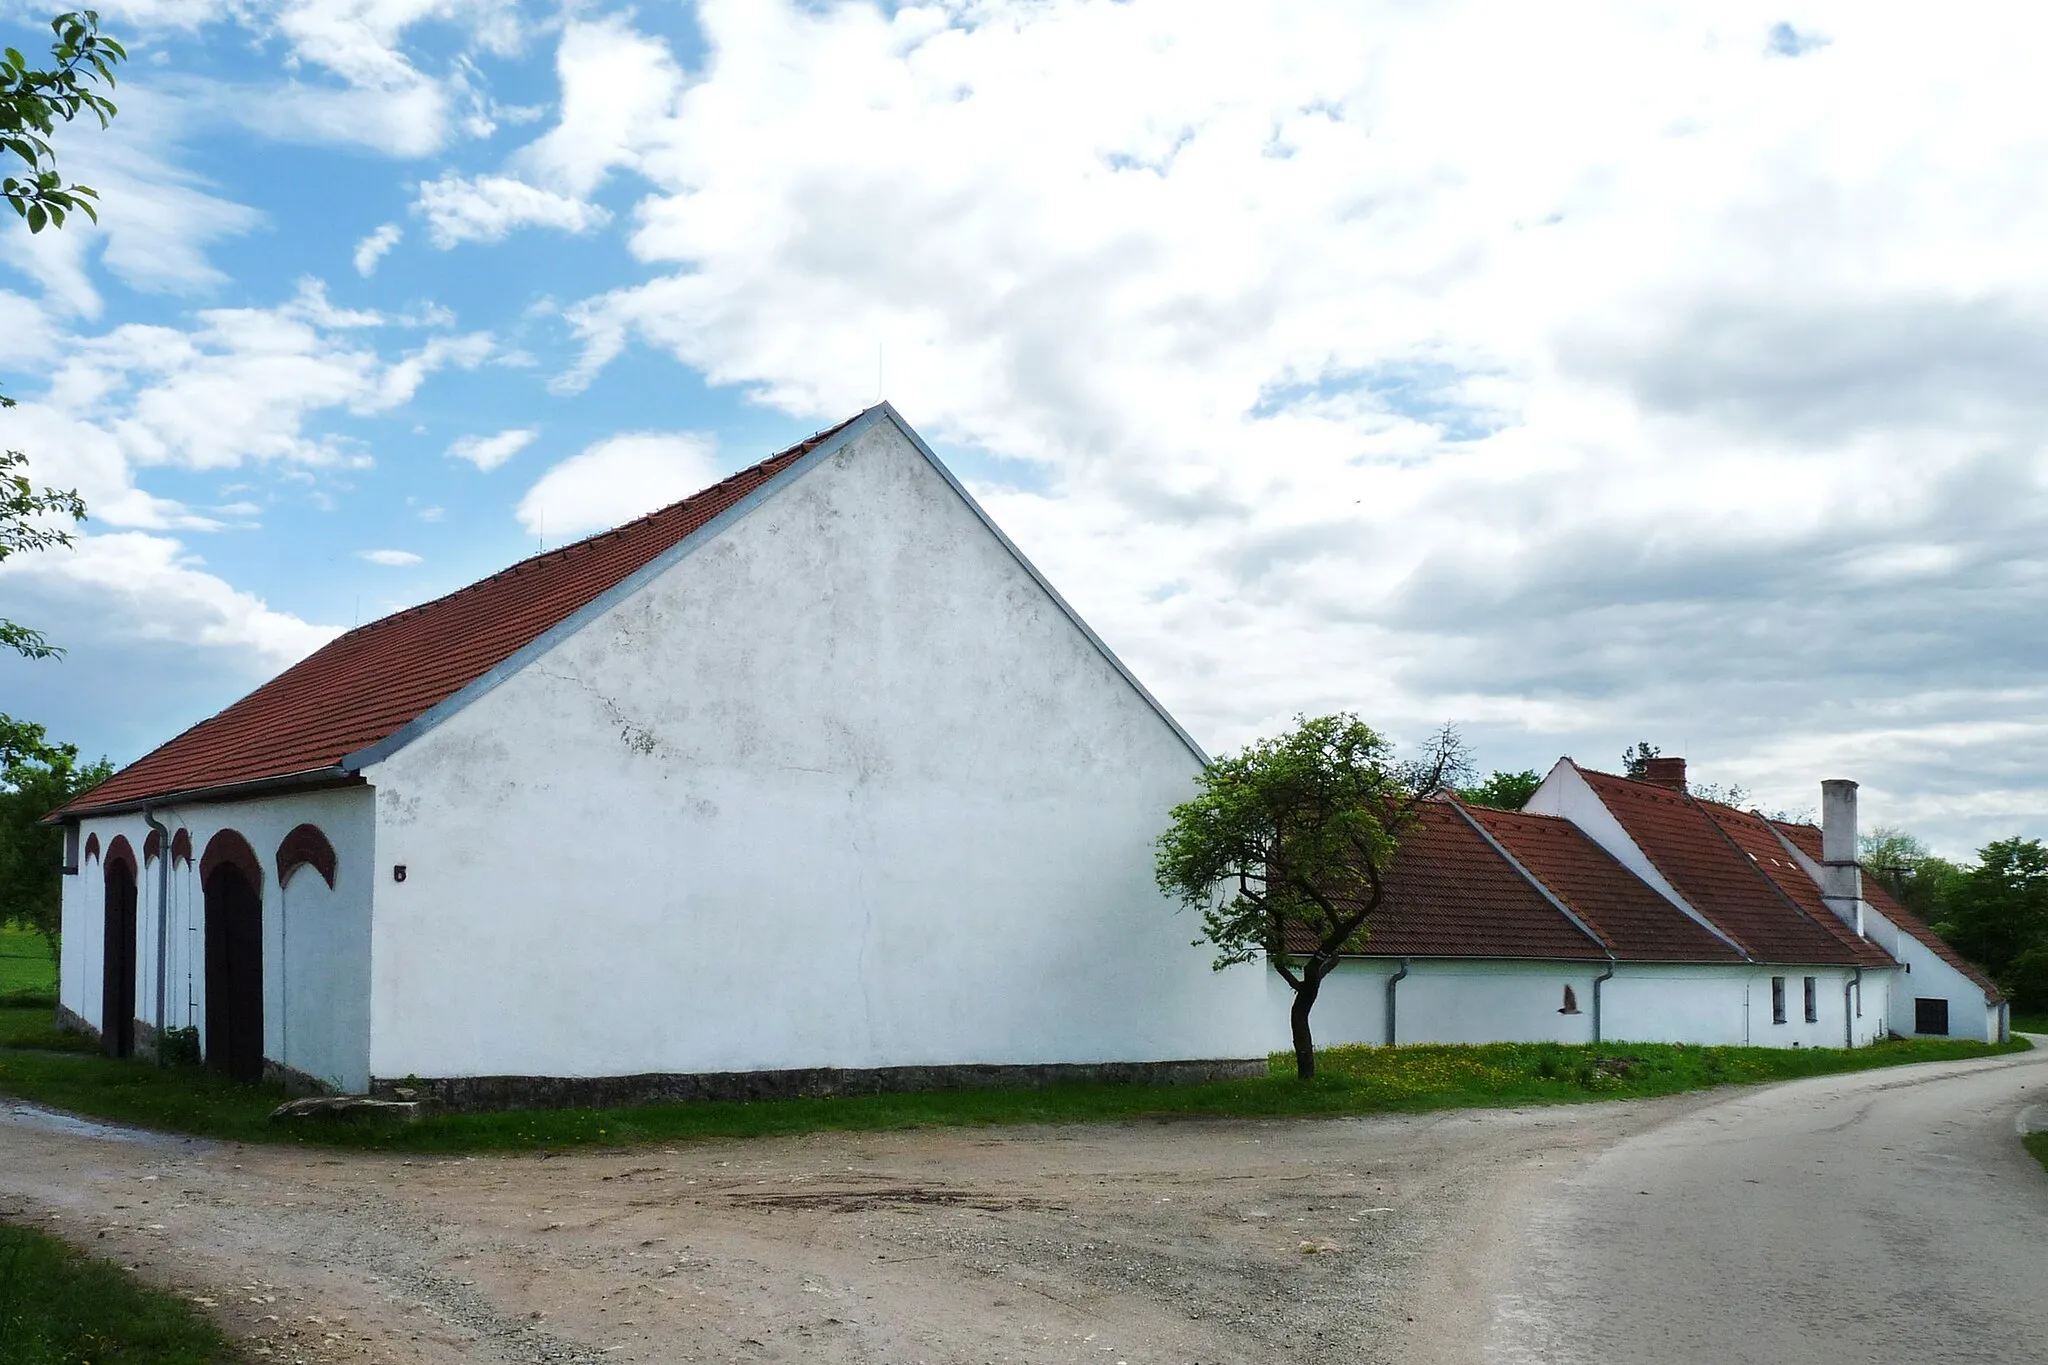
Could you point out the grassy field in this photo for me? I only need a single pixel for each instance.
(2030, 1023)
(28, 975)
(58, 1307)
(2037, 1143)
(1354, 1080)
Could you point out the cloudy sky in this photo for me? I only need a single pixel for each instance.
(1579, 376)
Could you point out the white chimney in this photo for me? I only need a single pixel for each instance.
(1841, 878)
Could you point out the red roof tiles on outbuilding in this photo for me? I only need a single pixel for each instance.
(1449, 893)
(365, 685)
(1635, 921)
(1716, 877)
(1808, 840)
(1754, 836)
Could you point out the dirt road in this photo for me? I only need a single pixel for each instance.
(1398, 1239)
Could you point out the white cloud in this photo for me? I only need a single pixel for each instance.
(146, 589)
(485, 208)
(618, 479)
(372, 248)
(488, 452)
(430, 514)
(617, 86)
(390, 559)
(1440, 363)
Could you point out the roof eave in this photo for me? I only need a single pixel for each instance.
(311, 779)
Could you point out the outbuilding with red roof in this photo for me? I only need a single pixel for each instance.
(808, 781)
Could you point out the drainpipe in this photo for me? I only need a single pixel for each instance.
(1392, 982)
(163, 917)
(1852, 988)
(1598, 982)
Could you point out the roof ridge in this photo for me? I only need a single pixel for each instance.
(1579, 919)
(1750, 862)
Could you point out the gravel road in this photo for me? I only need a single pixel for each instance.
(1396, 1239)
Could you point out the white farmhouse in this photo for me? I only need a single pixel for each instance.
(808, 782)
(1610, 909)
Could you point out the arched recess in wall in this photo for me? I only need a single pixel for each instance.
(232, 881)
(181, 848)
(305, 846)
(120, 851)
(152, 848)
(229, 849)
(92, 847)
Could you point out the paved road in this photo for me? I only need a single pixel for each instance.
(1873, 1218)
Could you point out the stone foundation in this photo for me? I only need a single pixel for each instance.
(477, 1093)
(294, 1081)
(71, 1021)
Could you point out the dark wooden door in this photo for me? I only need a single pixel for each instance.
(117, 973)
(234, 975)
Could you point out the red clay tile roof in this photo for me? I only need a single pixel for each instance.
(366, 684)
(1754, 836)
(1450, 894)
(1716, 877)
(1636, 922)
(1807, 839)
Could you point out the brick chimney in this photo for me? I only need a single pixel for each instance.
(1665, 772)
(1841, 879)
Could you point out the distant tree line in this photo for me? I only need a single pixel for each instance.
(1993, 911)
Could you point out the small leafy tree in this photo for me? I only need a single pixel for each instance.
(25, 513)
(1902, 864)
(1296, 833)
(1635, 761)
(1504, 790)
(36, 777)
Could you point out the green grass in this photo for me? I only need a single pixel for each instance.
(28, 974)
(2030, 1023)
(58, 1307)
(1354, 1080)
(2037, 1143)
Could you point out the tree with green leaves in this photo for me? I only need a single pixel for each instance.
(1635, 760)
(1996, 914)
(1285, 849)
(1915, 877)
(36, 777)
(33, 101)
(1504, 790)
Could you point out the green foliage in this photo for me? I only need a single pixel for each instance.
(61, 1307)
(2037, 1143)
(1915, 877)
(1996, 914)
(178, 1046)
(1296, 833)
(28, 970)
(25, 513)
(33, 100)
(1635, 761)
(36, 777)
(1504, 790)
(1352, 1080)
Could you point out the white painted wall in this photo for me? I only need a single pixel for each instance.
(1970, 1012)
(1453, 1000)
(316, 942)
(1480, 1001)
(843, 787)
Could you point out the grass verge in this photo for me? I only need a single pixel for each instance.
(2030, 1023)
(59, 1307)
(2037, 1143)
(28, 974)
(1353, 1080)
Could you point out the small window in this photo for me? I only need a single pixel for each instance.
(1930, 1016)
(71, 849)
(1812, 1001)
(1777, 999)
(1571, 1002)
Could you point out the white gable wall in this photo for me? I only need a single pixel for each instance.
(316, 942)
(843, 787)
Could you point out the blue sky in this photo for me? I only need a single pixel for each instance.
(1667, 374)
